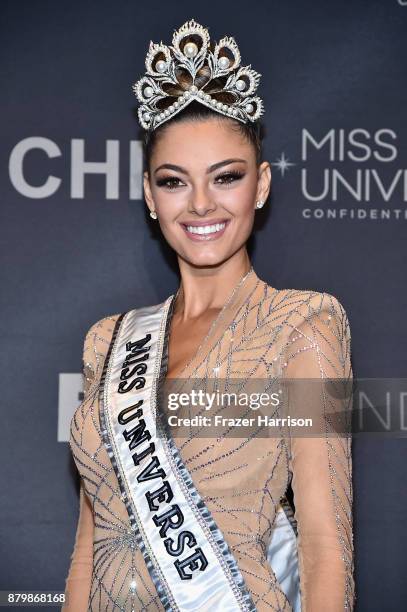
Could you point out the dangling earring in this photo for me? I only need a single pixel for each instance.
(259, 204)
(153, 214)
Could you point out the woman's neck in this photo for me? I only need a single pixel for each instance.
(205, 289)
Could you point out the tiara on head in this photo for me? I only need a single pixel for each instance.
(201, 70)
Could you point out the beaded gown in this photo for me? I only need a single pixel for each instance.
(263, 333)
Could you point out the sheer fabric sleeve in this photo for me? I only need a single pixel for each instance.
(78, 581)
(77, 585)
(321, 465)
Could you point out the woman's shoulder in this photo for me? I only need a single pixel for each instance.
(96, 345)
(307, 306)
(308, 299)
(103, 327)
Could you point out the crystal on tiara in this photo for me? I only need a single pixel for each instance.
(190, 56)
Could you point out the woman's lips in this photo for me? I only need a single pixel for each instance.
(205, 235)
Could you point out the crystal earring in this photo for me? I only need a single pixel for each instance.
(259, 204)
(153, 214)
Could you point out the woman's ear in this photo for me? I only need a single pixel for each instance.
(147, 192)
(263, 181)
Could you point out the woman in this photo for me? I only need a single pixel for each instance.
(196, 521)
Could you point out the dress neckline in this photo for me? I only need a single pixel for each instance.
(240, 293)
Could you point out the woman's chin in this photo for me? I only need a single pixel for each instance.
(205, 260)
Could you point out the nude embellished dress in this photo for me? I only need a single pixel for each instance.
(265, 333)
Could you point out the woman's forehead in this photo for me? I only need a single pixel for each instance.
(204, 140)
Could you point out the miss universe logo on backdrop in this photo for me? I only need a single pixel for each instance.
(350, 175)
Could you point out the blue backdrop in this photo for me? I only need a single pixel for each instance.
(78, 245)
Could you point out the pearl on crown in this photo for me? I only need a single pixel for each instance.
(224, 62)
(161, 66)
(190, 50)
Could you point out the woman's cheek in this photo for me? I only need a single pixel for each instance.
(167, 208)
(242, 197)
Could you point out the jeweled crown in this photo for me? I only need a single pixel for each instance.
(202, 71)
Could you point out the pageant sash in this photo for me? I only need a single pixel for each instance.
(282, 554)
(187, 557)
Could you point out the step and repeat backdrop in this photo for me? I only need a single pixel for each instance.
(77, 243)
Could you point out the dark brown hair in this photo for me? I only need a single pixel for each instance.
(195, 111)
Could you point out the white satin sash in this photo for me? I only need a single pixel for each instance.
(282, 555)
(185, 552)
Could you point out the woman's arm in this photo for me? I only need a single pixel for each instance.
(78, 581)
(319, 348)
(77, 585)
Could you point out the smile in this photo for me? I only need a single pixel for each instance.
(205, 231)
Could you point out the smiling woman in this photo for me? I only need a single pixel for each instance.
(242, 547)
(203, 180)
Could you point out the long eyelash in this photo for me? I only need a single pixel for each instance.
(165, 182)
(233, 174)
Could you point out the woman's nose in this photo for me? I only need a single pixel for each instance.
(201, 201)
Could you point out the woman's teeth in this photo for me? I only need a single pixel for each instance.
(205, 229)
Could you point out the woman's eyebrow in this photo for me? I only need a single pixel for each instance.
(211, 168)
(225, 162)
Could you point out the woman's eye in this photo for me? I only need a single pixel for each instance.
(171, 182)
(229, 177)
